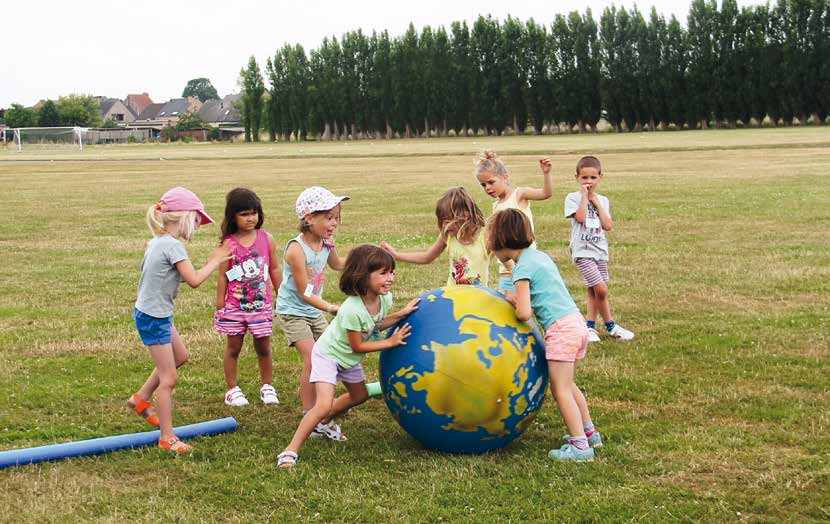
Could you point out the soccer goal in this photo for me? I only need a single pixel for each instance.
(26, 137)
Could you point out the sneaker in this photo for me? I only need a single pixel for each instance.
(569, 452)
(595, 440)
(268, 395)
(593, 335)
(234, 397)
(621, 333)
(331, 431)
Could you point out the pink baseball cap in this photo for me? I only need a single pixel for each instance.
(181, 199)
(314, 199)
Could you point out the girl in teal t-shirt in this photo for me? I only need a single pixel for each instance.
(540, 291)
(367, 279)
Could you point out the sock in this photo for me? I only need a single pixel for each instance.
(610, 325)
(580, 443)
(589, 428)
(592, 324)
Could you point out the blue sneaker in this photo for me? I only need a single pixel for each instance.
(569, 452)
(595, 440)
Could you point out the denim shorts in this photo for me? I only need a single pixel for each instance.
(154, 331)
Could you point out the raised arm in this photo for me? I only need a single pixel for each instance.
(582, 211)
(530, 193)
(417, 257)
(604, 216)
(193, 277)
(295, 258)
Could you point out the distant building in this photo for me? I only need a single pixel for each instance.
(149, 114)
(138, 103)
(115, 110)
(173, 110)
(221, 113)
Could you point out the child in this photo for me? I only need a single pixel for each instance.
(177, 215)
(300, 304)
(460, 228)
(541, 291)
(494, 178)
(243, 293)
(590, 215)
(356, 330)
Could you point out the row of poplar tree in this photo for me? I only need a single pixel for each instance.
(727, 66)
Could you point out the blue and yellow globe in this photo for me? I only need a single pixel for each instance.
(471, 377)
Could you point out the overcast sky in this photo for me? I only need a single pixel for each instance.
(113, 48)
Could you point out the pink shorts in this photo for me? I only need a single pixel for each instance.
(234, 322)
(325, 369)
(566, 340)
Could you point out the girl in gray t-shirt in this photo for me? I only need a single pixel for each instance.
(165, 265)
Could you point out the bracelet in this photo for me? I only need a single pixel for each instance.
(330, 309)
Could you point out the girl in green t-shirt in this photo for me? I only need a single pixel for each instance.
(367, 279)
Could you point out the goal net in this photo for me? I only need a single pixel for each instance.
(48, 137)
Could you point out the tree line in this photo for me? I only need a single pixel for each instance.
(728, 66)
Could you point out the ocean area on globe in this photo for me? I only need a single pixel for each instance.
(471, 377)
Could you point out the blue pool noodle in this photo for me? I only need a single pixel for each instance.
(18, 457)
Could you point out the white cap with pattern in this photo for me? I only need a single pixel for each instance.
(314, 199)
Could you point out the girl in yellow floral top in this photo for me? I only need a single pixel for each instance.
(461, 231)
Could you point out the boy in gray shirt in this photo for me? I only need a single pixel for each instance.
(590, 215)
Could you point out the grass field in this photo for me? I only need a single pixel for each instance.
(719, 410)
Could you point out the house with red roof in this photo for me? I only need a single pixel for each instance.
(138, 103)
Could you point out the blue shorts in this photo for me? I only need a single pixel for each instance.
(154, 331)
(506, 284)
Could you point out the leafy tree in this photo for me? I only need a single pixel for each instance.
(485, 38)
(253, 88)
(513, 68)
(48, 115)
(587, 77)
(201, 88)
(538, 79)
(702, 60)
(19, 116)
(189, 121)
(79, 110)
(676, 61)
(462, 79)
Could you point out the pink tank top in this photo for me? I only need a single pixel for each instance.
(251, 292)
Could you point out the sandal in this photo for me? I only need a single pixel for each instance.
(174, 444)
(141, 406)
(331, 431)
(287, 459)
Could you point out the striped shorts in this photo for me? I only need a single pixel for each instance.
(593, 271)
(234, 322)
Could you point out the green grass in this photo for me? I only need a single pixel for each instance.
(717, 411)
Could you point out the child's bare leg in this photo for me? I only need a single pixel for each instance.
(167, 376)
(356, 393)
(152, 382)
(581, 401)
(592, 305)
(232, 351)
(307, 390)
(262, 346)
(603, 306)
(320, 409)
(562, 385)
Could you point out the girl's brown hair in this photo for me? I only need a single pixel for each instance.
(361, 262)
(457, 210)
(509, 229)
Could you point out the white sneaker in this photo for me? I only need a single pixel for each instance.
(234, 397)
(268, 395)
(621, 333)
(593, 335)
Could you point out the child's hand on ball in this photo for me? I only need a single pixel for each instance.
(400, 334)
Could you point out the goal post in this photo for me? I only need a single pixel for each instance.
(25, 137)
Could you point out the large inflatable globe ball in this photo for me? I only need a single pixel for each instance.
(471, 376)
